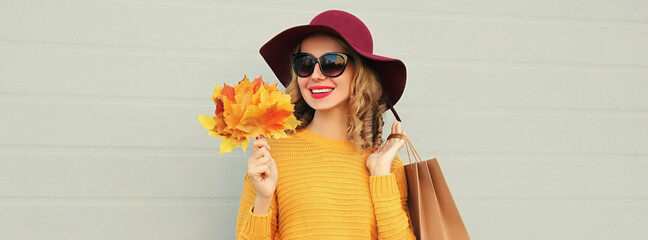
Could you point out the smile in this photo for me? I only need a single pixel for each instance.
(320, 91)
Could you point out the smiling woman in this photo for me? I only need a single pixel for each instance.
(322, 92)
(333, 176)
(366, 102)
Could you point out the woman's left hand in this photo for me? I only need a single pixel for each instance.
(380, 161)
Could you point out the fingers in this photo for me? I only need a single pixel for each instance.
(393, 127)
(261, 171)
(262, 168)
(260, 161)
(260, 143)
(394, 144)
(260, 157)
(260, 148)
(396, 128)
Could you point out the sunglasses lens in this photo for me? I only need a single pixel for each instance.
(303, 65)
(333, 64)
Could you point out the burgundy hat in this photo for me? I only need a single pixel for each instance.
(278, 50)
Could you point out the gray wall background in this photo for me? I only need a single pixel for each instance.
(538, 111)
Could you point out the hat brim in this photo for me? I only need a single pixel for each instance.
(278, 50)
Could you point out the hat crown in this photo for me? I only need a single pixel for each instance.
(352, 28)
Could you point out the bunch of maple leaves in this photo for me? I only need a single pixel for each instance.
(249, 110)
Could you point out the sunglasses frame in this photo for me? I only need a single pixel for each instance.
(318, 61)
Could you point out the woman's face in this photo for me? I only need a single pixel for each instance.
(339, 87)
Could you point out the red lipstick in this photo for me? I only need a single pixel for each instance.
(320, 91)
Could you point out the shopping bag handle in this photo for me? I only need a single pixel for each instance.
(408, 146)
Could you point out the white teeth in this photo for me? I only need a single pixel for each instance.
(321, 90)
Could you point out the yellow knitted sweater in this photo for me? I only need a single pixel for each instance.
(325, 191)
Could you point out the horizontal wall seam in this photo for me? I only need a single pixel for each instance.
(252, 54)
(40, 149)
(203, 102)
(389, 11)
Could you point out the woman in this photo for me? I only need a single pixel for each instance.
(333, 177)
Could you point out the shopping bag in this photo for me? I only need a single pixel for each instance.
(433, 212)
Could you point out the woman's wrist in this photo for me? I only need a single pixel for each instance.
(261, 205)
(379, 171)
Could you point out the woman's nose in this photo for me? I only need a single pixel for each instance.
(317, 73)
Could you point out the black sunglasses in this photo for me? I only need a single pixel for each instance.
(331, 64)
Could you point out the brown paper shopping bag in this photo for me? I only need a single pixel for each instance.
(433, 211)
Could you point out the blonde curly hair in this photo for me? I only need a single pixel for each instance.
(366, 103)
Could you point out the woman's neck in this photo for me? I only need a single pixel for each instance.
(331, 123)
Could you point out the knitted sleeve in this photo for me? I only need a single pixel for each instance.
(389, 196)
(250, 225)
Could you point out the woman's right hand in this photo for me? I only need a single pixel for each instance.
(262, 170)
